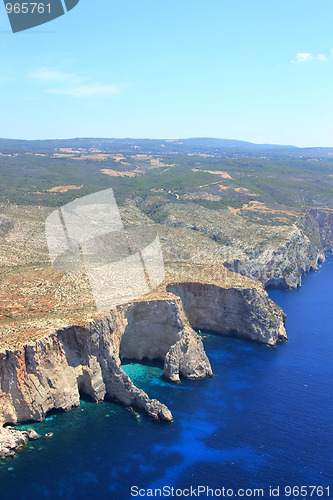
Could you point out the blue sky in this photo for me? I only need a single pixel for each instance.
(242, 69)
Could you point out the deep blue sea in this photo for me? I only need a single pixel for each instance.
(264, 420)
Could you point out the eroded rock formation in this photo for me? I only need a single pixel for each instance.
(284, 265)
(12, 439)
(241, 312)
(54, 371)
(322, 224)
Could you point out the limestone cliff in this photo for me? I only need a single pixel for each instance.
(52, 372)
(243, 312)
(284, 265)
(160, 329)
(292, 260)
(321, 223)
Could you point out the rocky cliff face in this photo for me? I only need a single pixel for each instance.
(161, 330)
(321, 222)
(277, 253)
(52, 372)
(289, 262)
(283, 266)
(247, 313)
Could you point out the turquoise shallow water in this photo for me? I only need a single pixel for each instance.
(263, 420)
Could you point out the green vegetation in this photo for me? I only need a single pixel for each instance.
(271, 176)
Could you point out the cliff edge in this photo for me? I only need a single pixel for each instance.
(54, 371)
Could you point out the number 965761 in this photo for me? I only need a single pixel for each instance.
(28, 8)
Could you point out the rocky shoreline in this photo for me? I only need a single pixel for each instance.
(283, 266)
(55, 371)
(12, 440)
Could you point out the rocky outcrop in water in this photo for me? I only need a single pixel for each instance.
(186, 357)
(160, 330)
(13, 439)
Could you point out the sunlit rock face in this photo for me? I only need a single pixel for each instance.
(247, 312)
(54, 371)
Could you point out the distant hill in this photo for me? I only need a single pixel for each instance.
(197, 145)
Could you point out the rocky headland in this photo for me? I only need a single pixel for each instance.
(276, 251)
(239, 312)
(283, 266)
(55, 371)
(230, 226)
(302, 250)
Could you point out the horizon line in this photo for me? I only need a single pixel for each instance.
(168, 140)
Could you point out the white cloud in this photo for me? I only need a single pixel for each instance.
(44, 75)
(91, 90)
(303, 57)
(70, 84)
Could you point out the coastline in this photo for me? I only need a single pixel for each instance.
(53, 372)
